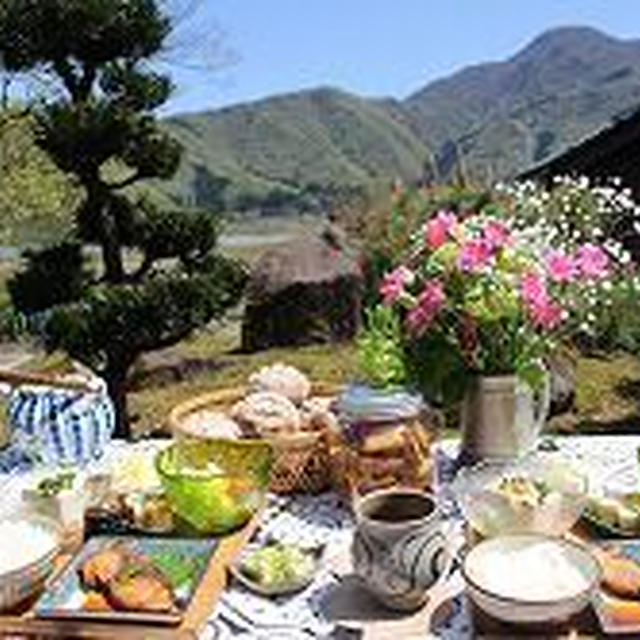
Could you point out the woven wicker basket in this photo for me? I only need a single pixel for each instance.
(301, 463)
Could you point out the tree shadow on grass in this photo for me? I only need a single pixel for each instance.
(619, 426)
(169, 371)
(629, 390)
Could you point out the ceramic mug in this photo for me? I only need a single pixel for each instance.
(400, 548)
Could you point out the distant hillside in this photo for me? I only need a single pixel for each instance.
(500, 117)
(507, 115)
(322, 137)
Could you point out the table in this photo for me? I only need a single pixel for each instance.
(334, 606)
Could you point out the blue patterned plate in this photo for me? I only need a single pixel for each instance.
(182, 561)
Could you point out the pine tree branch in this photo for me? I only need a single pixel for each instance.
(65, 70)
(127, 182)
(85, 84)
(142, 270)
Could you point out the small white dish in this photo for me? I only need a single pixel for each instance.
(271, 591)
(501, 581)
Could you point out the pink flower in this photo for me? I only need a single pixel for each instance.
(547, 314)
(543, 311)
(430, 302)
(394, 283)
(475, 254)
(561, 267)
(497, 234)
(438, 229)
(592, 261)
(534, 289)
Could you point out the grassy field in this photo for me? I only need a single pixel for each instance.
(333, 364)
(608, 388)
(607, 394)
(6, 269)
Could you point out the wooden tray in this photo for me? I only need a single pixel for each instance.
(195, 618)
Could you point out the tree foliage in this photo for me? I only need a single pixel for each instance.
(98, 126)
(35, 196)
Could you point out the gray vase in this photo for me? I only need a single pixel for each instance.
(502, 417)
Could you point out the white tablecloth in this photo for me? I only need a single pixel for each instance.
(322, 522)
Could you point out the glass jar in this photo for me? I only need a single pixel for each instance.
(385, 440)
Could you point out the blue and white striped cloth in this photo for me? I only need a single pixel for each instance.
(58, 427)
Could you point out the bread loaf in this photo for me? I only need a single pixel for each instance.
(265, 414)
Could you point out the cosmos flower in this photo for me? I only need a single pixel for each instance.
(437, 230)
(430, 302)
(394, 283)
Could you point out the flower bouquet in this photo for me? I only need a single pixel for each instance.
(477, 304)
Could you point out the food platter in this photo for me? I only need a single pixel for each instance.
(165, 572)
(25, 621)
(615, 516)
(48, 615)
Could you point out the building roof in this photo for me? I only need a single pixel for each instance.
(612, 151)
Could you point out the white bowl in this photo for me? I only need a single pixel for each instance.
(24, 580)
(501, 583)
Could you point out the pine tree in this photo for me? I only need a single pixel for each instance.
(98, 126)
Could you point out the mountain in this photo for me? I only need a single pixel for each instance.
(319, 137)
(496, 119)
(507, 115)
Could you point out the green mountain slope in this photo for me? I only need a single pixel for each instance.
(301, 151)
(320, 137)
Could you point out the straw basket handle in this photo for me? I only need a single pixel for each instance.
(17, 379)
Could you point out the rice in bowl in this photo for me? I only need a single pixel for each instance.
(28, 548)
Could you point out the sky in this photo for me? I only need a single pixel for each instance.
(369, 47)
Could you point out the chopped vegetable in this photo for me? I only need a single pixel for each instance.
(522, 491)
(619, 513)
(277, 565)
(49, 487)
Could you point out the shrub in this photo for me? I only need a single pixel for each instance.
(49, 277)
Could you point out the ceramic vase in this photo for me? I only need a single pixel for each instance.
(502, 418)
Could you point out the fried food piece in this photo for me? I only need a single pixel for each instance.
(624, 612)
(95, 601)
(102, 567)
(140, 589)
(621, 576)
(119, 579)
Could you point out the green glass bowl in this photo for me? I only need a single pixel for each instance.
(215, 486)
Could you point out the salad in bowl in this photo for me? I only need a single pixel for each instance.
(543, 493)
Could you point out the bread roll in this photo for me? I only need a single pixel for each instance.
(281, 379)
(210, 424)
(266, 414)
(317, 416)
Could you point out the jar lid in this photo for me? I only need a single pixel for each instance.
(367, 404)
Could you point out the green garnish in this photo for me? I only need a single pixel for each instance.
(543, 489)
(178, 568)
(49, 487)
